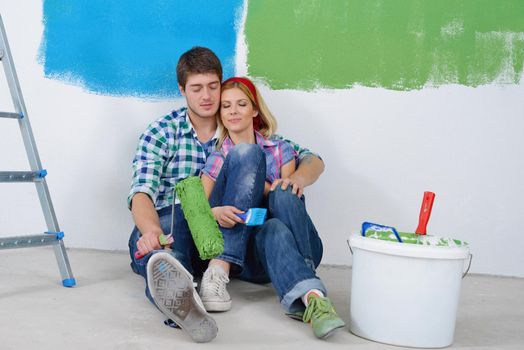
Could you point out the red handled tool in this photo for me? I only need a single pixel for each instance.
(163, 240)
(425, 212)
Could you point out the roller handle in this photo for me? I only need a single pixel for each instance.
(164, 240)
(425, 212)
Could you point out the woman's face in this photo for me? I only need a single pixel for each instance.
(236, 110)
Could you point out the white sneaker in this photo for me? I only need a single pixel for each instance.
(213, 289)
(171, 287)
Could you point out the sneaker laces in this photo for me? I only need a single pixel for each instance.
(318, 308)
(214, 282)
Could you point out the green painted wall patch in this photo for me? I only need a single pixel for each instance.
(399, 45)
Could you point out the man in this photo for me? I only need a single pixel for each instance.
(171, 149)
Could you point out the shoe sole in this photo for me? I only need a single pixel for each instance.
(331, 332)
(217, 306)
(171, 287)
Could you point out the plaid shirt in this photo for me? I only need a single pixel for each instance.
(168, 152)
(277, 152)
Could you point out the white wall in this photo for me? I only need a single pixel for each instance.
(382, 150)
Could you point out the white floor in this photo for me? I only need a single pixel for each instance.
(108, 310)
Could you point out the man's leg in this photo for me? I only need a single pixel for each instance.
(183, 248)
(174, 294)
(239, 184)
(169, 283)
(293, 278)
(291, 210)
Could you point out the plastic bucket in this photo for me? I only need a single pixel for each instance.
(405, 294)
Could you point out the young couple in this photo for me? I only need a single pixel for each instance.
(226, 136)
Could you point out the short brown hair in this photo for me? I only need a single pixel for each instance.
(198, 60)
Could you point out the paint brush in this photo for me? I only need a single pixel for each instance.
(254, 216)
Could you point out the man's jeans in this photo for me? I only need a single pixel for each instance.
(183, 248)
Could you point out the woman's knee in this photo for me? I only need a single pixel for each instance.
(275, 230)
(245, 152)
(280, 199)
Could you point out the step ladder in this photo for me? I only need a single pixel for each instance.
(53, 236)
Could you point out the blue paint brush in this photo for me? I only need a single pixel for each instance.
(254, 216)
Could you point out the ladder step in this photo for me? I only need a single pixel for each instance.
(10, 115)
(22, 176)
(28, 241)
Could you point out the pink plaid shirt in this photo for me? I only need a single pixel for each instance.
(278, 153)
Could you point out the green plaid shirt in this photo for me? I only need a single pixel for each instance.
(168, 152)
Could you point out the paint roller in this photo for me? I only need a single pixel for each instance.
(204, 229)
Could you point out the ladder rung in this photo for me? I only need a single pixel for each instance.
(10, 115)
(28, 241)
(22, 176)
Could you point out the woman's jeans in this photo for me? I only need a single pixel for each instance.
(284, 251)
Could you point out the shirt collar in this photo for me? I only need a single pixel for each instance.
(188, 127)
(264, 142)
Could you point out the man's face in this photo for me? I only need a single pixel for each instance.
(202, 93)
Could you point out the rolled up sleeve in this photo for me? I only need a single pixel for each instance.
(148, 164)
(213, 165)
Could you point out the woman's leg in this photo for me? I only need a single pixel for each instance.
(294, 279)
(239, 184)
(291, 211)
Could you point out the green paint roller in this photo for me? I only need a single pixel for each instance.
(204, 229)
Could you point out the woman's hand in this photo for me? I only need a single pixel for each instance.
(226, 216)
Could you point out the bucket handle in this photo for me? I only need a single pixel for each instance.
(349, 245)
(469, 265)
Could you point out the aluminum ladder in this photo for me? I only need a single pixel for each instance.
(53, 236)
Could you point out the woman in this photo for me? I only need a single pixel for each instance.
(246, 126)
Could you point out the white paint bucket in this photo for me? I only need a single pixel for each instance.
(405, 294)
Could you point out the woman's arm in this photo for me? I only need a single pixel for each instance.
(285, 172)
(208, 184)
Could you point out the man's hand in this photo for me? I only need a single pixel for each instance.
(148, 242)
(296, 183)
(226, 216)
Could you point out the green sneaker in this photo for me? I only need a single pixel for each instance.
(322, 315)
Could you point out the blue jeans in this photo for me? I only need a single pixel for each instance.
(286, 249)
(240, 184)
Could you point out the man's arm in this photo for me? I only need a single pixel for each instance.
(309, 170)
(147, 221)
(148, 163)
